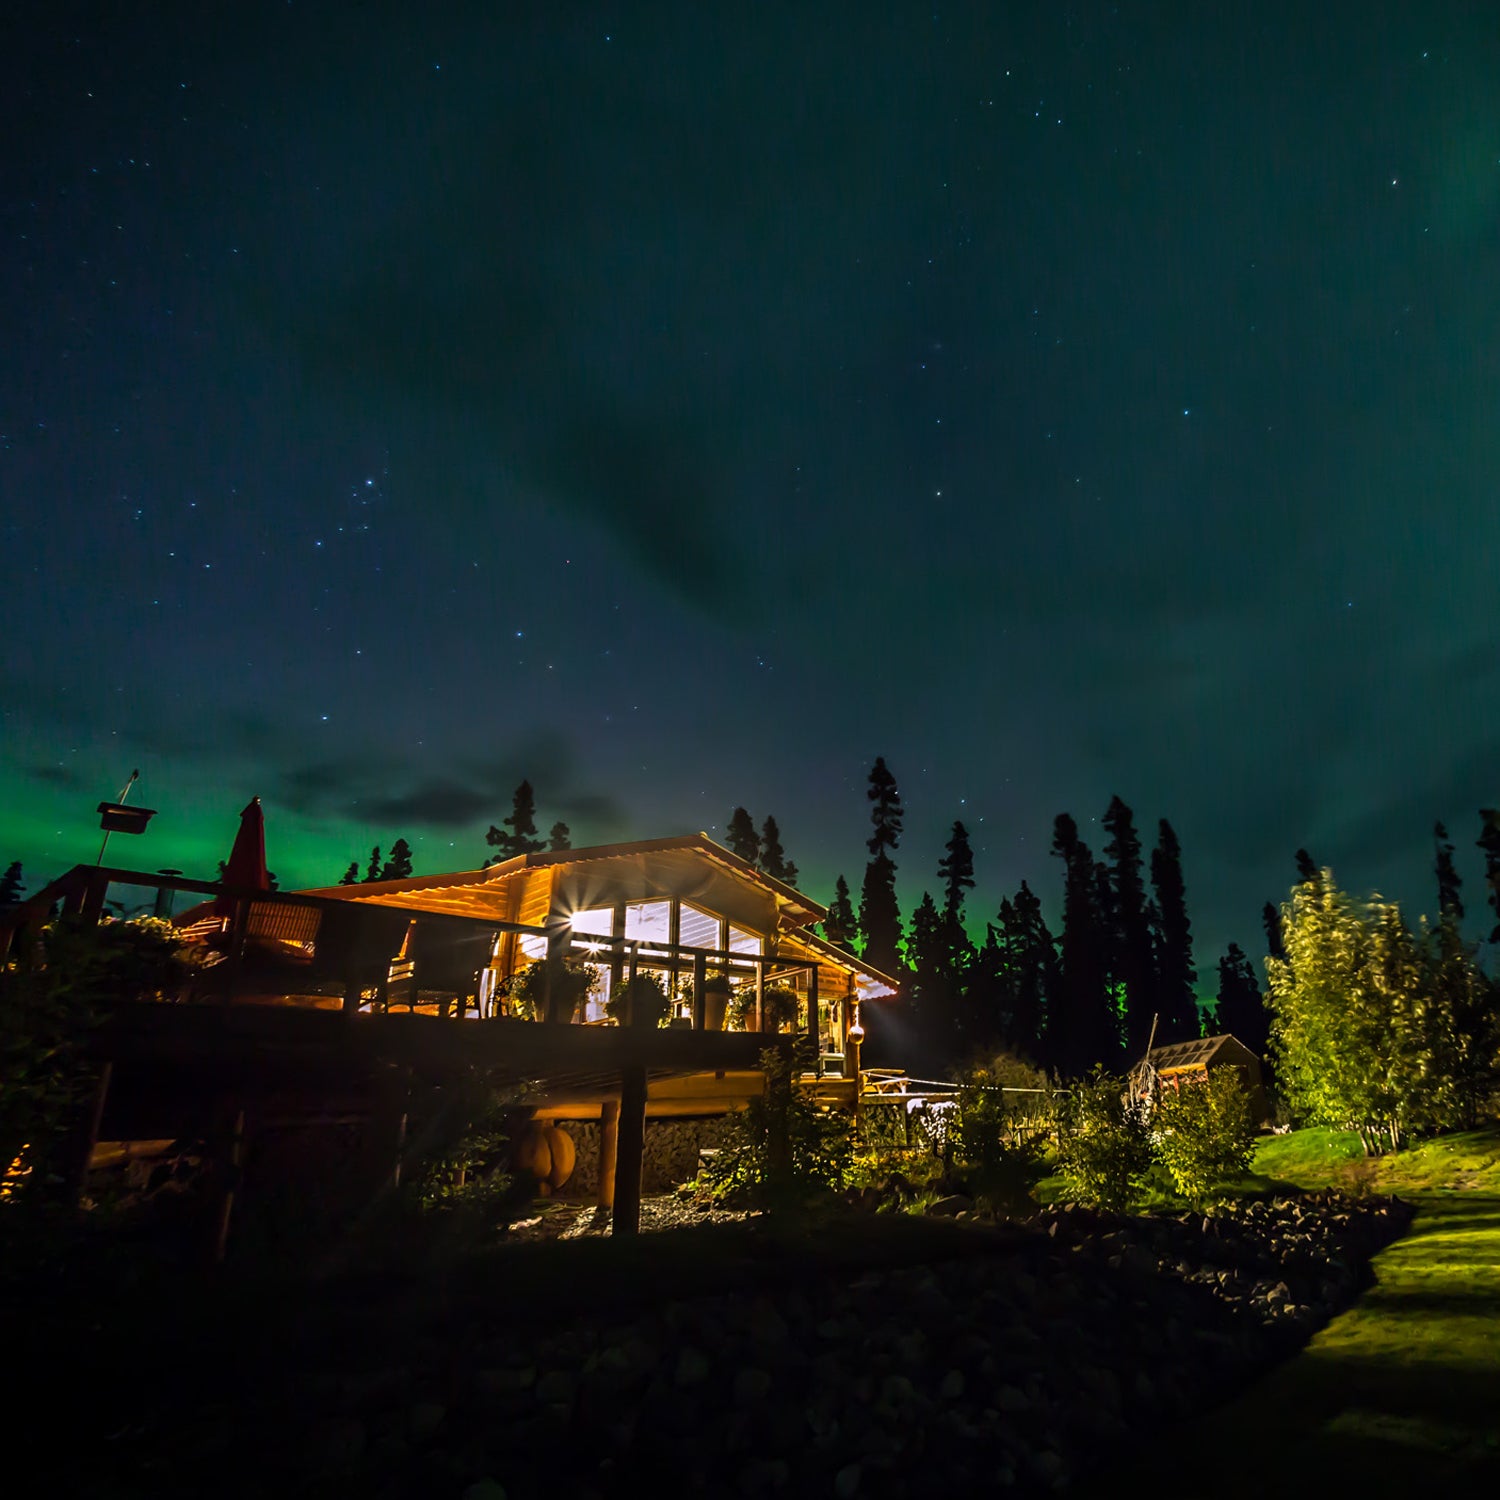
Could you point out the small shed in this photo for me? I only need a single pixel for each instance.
(1169, 1067)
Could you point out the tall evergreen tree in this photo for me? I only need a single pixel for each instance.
(1080, 1026)
(1307, 866)
(519, 834)
(841, 926)
(559, 837)
(1270, 919)
(772, 855)
(926, 989)
(1489, 841)
(1177, 999)
(1132, 961)
(791, 873)
(1029, 975)
(372, 873)
(398, 866)
(12, 884)
(957, 871)
(351, 875)
(1241, 1010)
(887, 812)
(742, 837)
(1449, 884)
(879, 914)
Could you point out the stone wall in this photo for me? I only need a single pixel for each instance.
(671, 1152)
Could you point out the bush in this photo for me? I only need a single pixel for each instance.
(990, 1143)
(1103, 1148)
(783, 1147)
(46, 1015)
(1203, 1133)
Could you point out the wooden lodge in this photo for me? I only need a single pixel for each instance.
(331, 1005)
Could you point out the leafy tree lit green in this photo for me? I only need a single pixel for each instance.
(1203, 1133)
(1368, 1021)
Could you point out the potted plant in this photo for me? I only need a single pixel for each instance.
(640, 1001)
(552, 988)
(778, 1008)
(716, 992)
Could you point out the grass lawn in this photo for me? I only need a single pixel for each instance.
(1401, 1394)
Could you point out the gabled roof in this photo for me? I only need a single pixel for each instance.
(794, 910)
(1197, 1053)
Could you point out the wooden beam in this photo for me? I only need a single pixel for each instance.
(86, 1136)
(630, 1151)
(609, 1140)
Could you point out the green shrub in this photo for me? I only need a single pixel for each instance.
(1103, 1147)
(991, 1145)
(641, 1001)
(1203, 1133)
(783, 1147)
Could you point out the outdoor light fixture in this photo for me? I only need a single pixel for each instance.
(115, 817)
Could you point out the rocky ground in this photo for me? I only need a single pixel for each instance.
(1056, 1346)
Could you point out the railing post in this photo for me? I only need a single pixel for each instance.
(700, 978)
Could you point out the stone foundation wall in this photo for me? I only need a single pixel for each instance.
(671, 1153)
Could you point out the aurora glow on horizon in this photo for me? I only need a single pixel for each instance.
(679, 411)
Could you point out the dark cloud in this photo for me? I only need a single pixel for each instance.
(58, 775)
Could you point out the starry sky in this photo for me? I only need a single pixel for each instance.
(681, 405)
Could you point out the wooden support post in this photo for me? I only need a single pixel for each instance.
(815, 1022)
(86, 1137)
(93, 896)
(231, 1161)
(609, 1141)
(385, 1144)
(760, 995)
(630, 1151)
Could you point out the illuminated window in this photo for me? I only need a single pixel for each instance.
(741, 941)
(598, 921)
(649, 921)
(699, 929)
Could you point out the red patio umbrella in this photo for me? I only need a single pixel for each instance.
(246, 869)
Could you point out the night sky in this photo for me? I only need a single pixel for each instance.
(680, 406)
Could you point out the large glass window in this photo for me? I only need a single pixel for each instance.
(699, 929)
(741, 941)
(649, 921)
(597, 921)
